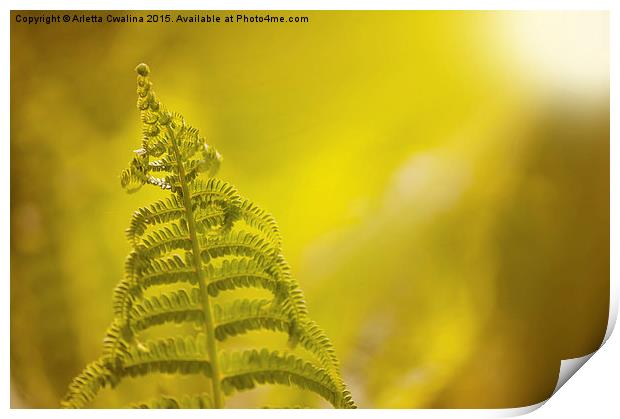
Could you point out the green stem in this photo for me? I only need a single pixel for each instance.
(206, 307)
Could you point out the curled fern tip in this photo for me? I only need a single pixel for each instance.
(143, 69)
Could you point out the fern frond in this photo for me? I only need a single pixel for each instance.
(85, 387)
(312, 338)
(214, 192)
(197, 401)
(243, 273)
(115, 343)
(167, 270)
(214, 218)
(261, 220)
(180, 355)
(204, 238)
(296, 302)
(242, 316)
(135, 176)
(160, 212)
(167, 239)
(121, 300)
(238, 243)
(176, 307)
(242, 371)
(142, 273)
(164, 183)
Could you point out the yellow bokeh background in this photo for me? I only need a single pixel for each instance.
(441, 181)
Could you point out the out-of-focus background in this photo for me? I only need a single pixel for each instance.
(441, 180)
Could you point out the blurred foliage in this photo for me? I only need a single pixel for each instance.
(444, 200)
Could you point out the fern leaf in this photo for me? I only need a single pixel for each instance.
(257, 218)
(176, 307)
(181, 355)
(243, 371)
(159, 212)
(215, 217)
(314, 340)
(204, 238)
(121, 300)
(142, 273)
(197, 401)
(84, 388)
(135, 176)
(243, 273)
(168, 270)
(241, 316)
(239, 243)
(115, 343)
(214, 192)
(167, 239)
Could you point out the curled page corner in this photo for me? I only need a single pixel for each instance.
(568, 367)
(518, 411)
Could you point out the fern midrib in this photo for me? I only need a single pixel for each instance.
(209, 327)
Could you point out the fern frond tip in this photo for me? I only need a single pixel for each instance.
(143, 69)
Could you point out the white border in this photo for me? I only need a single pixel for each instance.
(594, 392)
